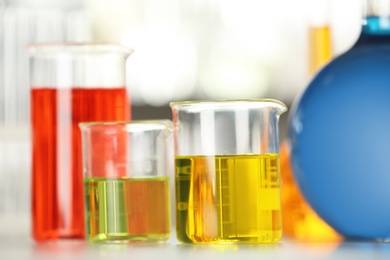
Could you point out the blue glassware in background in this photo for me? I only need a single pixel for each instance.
(339, 133)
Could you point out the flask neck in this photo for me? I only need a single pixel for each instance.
(376, 18)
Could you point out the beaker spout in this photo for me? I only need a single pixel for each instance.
(279, 106)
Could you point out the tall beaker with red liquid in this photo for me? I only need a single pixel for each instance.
(70, 83)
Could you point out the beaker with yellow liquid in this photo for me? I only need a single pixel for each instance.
(227, 177)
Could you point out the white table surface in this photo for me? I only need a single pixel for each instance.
(21, 246)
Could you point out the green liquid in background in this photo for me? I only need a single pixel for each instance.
(127, 209)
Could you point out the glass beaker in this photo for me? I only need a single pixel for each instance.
(70, 83)
(227, 177)
(126, 181)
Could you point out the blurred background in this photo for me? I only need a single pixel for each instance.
(184, 50)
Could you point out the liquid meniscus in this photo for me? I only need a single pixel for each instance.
(133, 209)
(228, 199)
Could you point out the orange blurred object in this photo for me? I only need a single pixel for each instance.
(299, 219)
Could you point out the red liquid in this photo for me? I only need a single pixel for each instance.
(57, 177)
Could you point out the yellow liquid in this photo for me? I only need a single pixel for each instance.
(123, 209)
(228, 199)
(320, 47)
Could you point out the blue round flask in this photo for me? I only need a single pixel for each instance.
(339, 133)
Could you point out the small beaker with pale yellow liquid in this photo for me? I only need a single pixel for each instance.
(126, 182)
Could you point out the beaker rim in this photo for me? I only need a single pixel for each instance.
(77, 48)
(151, 124)
(228, 103)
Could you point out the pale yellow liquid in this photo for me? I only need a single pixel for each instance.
(230, 199)
(127, 209)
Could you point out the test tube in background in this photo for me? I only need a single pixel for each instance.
(320, 38)
(21, 23)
